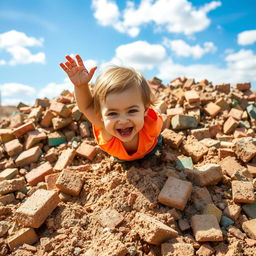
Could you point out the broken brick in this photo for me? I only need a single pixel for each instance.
(86, 150)
(29, 156)
(13, 147)
(65, 159)
(242, 192)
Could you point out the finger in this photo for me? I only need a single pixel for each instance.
(68, 64)
(62, 65)
(71, 60)
(80, 61)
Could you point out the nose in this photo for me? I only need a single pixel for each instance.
(123, 119)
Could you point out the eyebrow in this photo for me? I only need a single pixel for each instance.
(114, 109)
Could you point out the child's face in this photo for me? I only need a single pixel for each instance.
(123, 114)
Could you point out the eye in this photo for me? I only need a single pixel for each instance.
(132, 111)
(112, 114)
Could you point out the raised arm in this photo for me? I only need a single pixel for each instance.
(80, 77)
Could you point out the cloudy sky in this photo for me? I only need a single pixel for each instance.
(164, 38)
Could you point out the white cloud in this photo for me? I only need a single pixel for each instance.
(16, 43)
(140, 55)
(16, 89)
(246, 37)
(181, 48)
(175, 16)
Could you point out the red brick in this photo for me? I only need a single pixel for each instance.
(86, 150)
(65, 159)
(189, 82)
(37, 174)
(60, 108)
(171, 112)
(6, 135)
(23, 236)
(169, 249)
(235, 113)
(35, 113)
(209, 174)
(175, 193)
(23, 129)
(34, 211)
(110, 218)
(249, 228)
(212, 109)
(242, 192)
(47, 118)
(214, 130)
(8, 173)
(7, 199)
(59, 122)
(51, 156)
(206, 228)
(172, 138)
(196, 150)
(69, 182)
(9, 186)
(240, 133)
(151, 230)
(34, 137)
(29, 156)
(223, 88)
(192, 96)
(51, 181)
(245, 149)
(230, 166)
(201, 197)
(232, 211)
(201, 133)
(13, 147)
(242, 86)
(230, 125)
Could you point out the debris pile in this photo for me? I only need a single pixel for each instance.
(61, 195)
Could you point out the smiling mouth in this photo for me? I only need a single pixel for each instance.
(125, 132)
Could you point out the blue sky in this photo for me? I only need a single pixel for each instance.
(164, 38)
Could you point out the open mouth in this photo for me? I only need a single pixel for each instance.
(125, 132)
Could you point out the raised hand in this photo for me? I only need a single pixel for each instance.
(77, 72)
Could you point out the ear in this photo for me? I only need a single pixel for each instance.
(146, 112)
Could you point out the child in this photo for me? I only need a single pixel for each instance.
(123, 123)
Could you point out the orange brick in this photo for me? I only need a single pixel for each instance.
(9, 186)
(51, 181)
(23, 236)
(171, 112)
(34, 137)
(236, 113)
(189, 82)
(242, 192)
(6, 135)
(59, 122)
(29, 156)
(242, 86)
(23, 129)
(69, 182)
(230, 166)
(249, 228)
(175, 193)
(223, 88)
(201, 133)
(172, 138)
(232, 211)
(34, 211)
(206, 228)
(192, 96)
(47, 118)
(230, 125)
(60, 108)
(252, 169)
(86, 150)
(110, 218)
(37, 174)
(65, 159)
(212, 109)
(225, 152)
(13, 147)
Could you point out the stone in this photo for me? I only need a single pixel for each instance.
(212, 209)
(250, 210)
(180, 122)
(184, 162)
(56, 138)
(225, 221)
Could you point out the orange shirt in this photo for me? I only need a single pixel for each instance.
(147, 139)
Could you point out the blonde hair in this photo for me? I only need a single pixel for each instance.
(119, 79)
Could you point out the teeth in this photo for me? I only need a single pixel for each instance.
(125, 131)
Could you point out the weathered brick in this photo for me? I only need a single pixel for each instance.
(59, 122)
(201, 133)
(169, 249)
(76, 113)
(110, 218)
(47, 118)
(56, 138)
(37, 174)
(151, 230)
(9, 186)
(232, 211)
(51, 181)
(192, 96)
(60, 108)
(230, 125)
(236, 113)
(245, 149)
(252, 169)
(13, 147)
(201, 197)
(69, 182)
(195, 149)
(209, 174)
(65, 159)
(6, 135)
(240, 132)
(171, 112)
(8, 173)
(242, 192)
(206, 228)
(7, 199)
(34, 137)
(242, 86)
(29, 156)
(223, 88)
(23, 236)
(249, 228)
(223, 104)
(34, 211)
(86, 150)
(180, 122)
(230, 166)
(212, 109)
(23, 129)
(51, 156)
(175, 193)
(213, 209)
(172, 138)
(210, 143)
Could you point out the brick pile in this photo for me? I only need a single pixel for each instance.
(195, 196)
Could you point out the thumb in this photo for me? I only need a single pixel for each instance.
(91, 72)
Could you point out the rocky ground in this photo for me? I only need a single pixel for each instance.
(61, 195)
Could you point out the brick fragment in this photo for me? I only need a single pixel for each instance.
(242, 192)
(59, 122)
(195, 149)
(213, 209)
(206, 228)
(201, 197)
(236, 232)
(232, 211)
(76, 113)
(6, 135)
(8, 173)
(252, 169)
(249, 228)
(192, 96)
(60, 108)
(242, 86)
(175, 193)
(172, 138)
(34, 137)
(201, 133)
(184, 162)
(183, 224)
(47, 118)
(245, 149)
(169, 249)
(110, 218)
(56, 138)
(23, 129)
(13, 147)
(37, 175)
(210, 143)
(51, 156)
(34, 211)
(230, 166)
(65, 159)
(223, 104)
(151, 230)
(180, 122)
(23, 236)
(212, 109)
(236, 113)
(51, 181)
(171, 112)
(223, 88)
(189, 82)
(69, 182)
(86, 150)
(29, 156)
(251, 110)
(7, 199)
(209, 174)
(9, 186)
(230, 125)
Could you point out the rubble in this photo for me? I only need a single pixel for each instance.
(61, 195)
